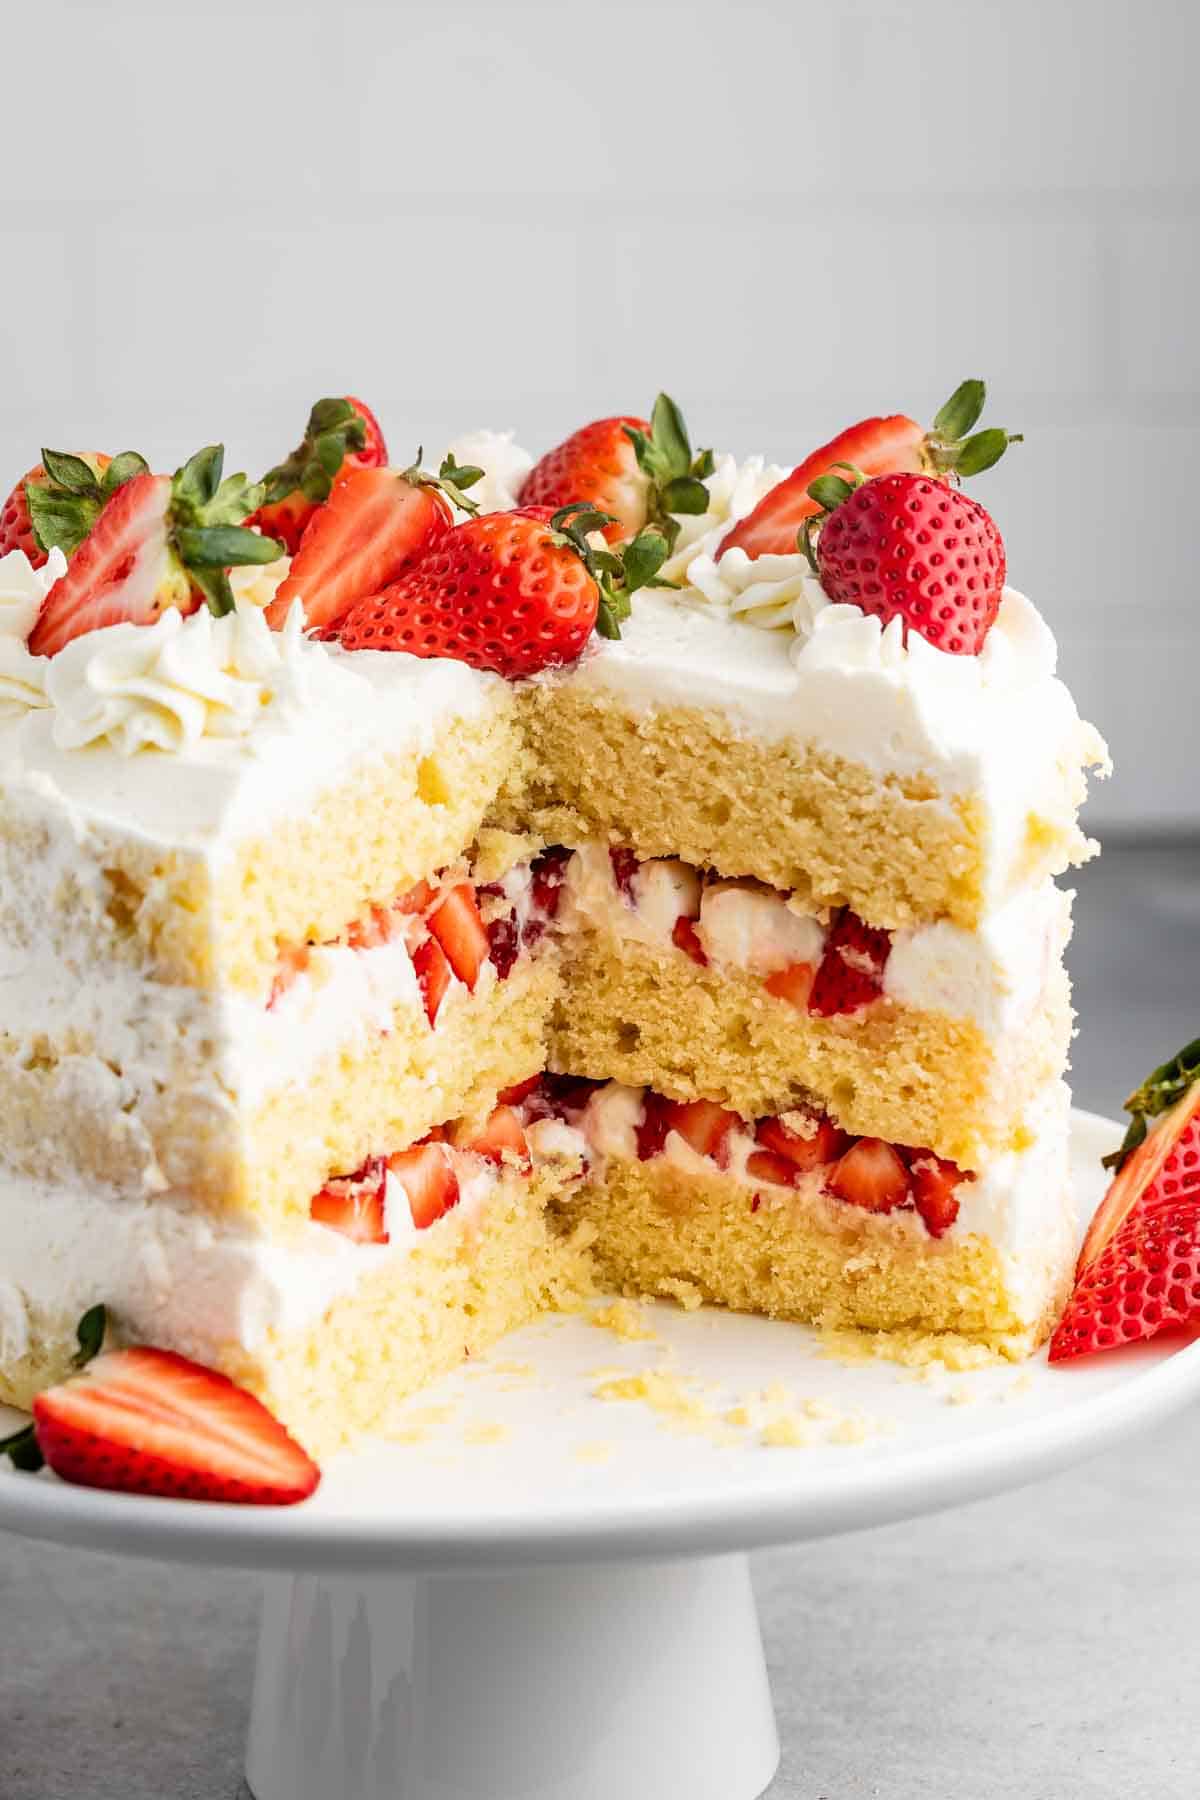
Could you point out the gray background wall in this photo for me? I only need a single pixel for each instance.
(526, 214)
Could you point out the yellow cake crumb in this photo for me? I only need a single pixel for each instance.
(787, 1432)
(624, 1320)
(486, 1432)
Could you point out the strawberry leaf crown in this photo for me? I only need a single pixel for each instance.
(206, 528)
(22, 1448)
(1157, 1094)
(65, 505)
(953, 447)
(617, 573)
(676, 475)
(452, 479)
(829, 491)
(333, 429)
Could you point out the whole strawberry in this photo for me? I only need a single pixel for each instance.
(641, 471)
(56, 504)
(909, 547)
(512, 592)
(341, 435)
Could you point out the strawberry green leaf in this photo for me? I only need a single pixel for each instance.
(983, 450)
(89, 1335)
(196, 483)
(71, 472)
(961, 411)
(684, 494)
(1157, 1094)
(223, 546)
(643, 558)
(669, 436)
(214, 585)
(829, 491)
(23, 1450)
(60, 521)
(330, 450)
(121, 469)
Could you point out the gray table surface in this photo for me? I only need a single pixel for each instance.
(1036, 1647)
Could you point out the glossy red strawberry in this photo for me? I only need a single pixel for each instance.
(58, 501)
(641, 471)
(456, 924)
(878, 446)
(373, 525)
(872, 1175)
(354, 1204)
(910, 547)
(158, 541)
(850, 973)
(427, 1176)
(501, 1138)
(824, 1144)
(935, 1184)
(341, 435)
(147, 1421)
(1139, 1267)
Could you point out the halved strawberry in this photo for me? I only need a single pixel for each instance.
(850, 973)
(56, 504)
(458, 927)
(1139, 1267)
(353, 1204)
(427, 1176)
(640, 471)
(685, 937)
(159, 541)
(374, 523)
(146, 1421)
(827, 1143)
(871, 1175)
(880, 446)
(501, 1138)
(793, 984)
(935, 1181)
(433, 976)
(341, 435)
(704, 1125)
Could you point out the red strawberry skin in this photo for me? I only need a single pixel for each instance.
(124, 570)
(146, 1421)
(876, 446)
(497, 592)
(354, 1204)
(374, 523)
(287, 517)
(850, 973)
(597, 463)
(16, 527)
(913, 548)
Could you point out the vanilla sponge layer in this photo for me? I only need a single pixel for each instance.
(634, 1013)
(677, 781)
(72, 1118)
(659, 1230)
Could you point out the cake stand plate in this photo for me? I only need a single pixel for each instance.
(541, 1592)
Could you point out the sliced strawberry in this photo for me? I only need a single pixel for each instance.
(765, 1165)
(353, 1204)
(685, 937)
(427, 1177)
(653, 1126)
(501, 1138)
(374, 523)
(704, 1125)
(1159, 1170)
(378, 925)
(433, 976)
(640, 471)
(562, 1096)
(416, 899)
(341, 435)
(625, 865)
(125, 570)
(547, 874)
(871, 1175)
(793, 984)
(292, 962)
(520, 1090)
(58, 506)
(827, 1143)
(146, 1421)
(934, 1183)
(850, 973)
(458, 927)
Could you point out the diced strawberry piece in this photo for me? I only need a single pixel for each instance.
(870, 1175)
(504, 945)
(147, 1421)
(433, 976)
(827, 1143)
(685, 937)
(548, 872)
(625, 864)
(502, 1137)
(456, 924)
(562, 1096)
(416, 899)
(520, 1090)
(704, 1125)
(377, 926)
(793, 984)
(293, 960)
(654, 1126)
(934, 1180)
(427, 1177)
(764, 1165)
(850, 974)
(353, 1204)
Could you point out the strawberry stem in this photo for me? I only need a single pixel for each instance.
(677, 475)
(953, 447)
(1157, 1094)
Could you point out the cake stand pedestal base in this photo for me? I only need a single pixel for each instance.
(643, 1680)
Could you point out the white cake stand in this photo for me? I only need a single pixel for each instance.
(545, 1596)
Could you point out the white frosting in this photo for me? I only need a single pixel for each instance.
(256, 584)
(504, 463)
(22, 591)
(996, 975)
(169, 685)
